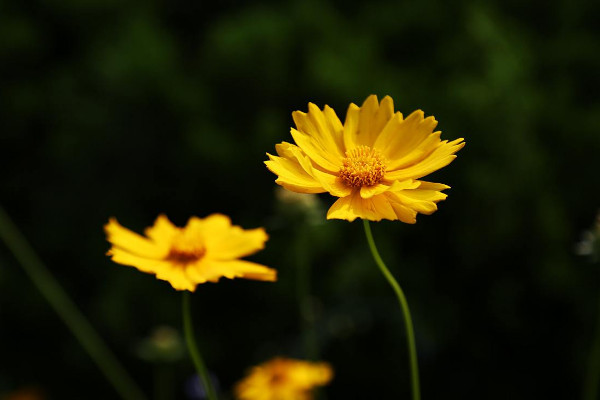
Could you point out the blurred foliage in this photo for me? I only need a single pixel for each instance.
(130, 109)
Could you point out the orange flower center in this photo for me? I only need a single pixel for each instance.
(184, 251)
(362, 166)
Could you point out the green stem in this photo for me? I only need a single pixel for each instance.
(410, 336)
(67, 311)
(193, 348)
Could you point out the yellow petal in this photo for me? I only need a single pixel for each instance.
(243, 269)
(390, 130)
(403, 213)
(332, 184)
(325, 157)
(351, 127)
(125, 239)
(418, 153)
(439, 158)
(214, 227)
(291, 174)
(422, 201)
(162, 231)
(323, 126)
(400, 139)
(164, 270)
(149, 265)
(366, 121)
(370, 191)
(432, 186)
(353, 206)
(335, 126)
(203, 271)
(233, 242)
(178, 278)
(320, 181)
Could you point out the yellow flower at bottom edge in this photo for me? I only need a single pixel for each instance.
(204, 250)
(373, 162)
(283, 379)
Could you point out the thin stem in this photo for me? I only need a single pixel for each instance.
(410, 336)
(193, 348)
(67, 311)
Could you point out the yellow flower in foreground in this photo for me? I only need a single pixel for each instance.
(283, 379)
(373, 162)
(205, 250)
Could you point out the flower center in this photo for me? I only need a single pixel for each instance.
(185, 251)
(362, 166)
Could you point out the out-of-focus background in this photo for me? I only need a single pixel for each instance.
(131, 109)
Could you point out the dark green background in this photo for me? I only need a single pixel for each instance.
(132, 108)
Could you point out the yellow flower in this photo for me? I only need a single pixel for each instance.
(283, 379)
(205, 250)
(373, 162)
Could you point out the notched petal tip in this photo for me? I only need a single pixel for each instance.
(372, 99)
(111, 225)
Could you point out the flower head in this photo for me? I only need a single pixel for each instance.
(373, 162)
(283, 379)
(204, 250)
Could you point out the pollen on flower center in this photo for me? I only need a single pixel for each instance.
(362, 166)
(184, 252)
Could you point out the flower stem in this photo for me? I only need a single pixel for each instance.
(67, 311)
(193, 348)
(410, 336)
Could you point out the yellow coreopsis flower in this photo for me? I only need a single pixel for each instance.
(204, 250)
(283, 379)
(373, 162)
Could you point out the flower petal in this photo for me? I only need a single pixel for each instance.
(422, 201)
(162, 231)
(178, 278)
(399, 140)
(144, 264)
(240, 269)
(321, 181)
(403, 213)
(332, 184)
(233, 242)
(439, 158)
(327, 158)
(121, 237)
(323, 126)
(370, 191)
(353, 206)
(351, 127)
(417, 154)
(291, 174)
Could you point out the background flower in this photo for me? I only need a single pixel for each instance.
(283, 379)
(204, 250)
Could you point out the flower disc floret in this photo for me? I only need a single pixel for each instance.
(362, 166)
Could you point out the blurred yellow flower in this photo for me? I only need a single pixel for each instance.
(204, 250)
(373, 162)
(25, 394)
(283, 379)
